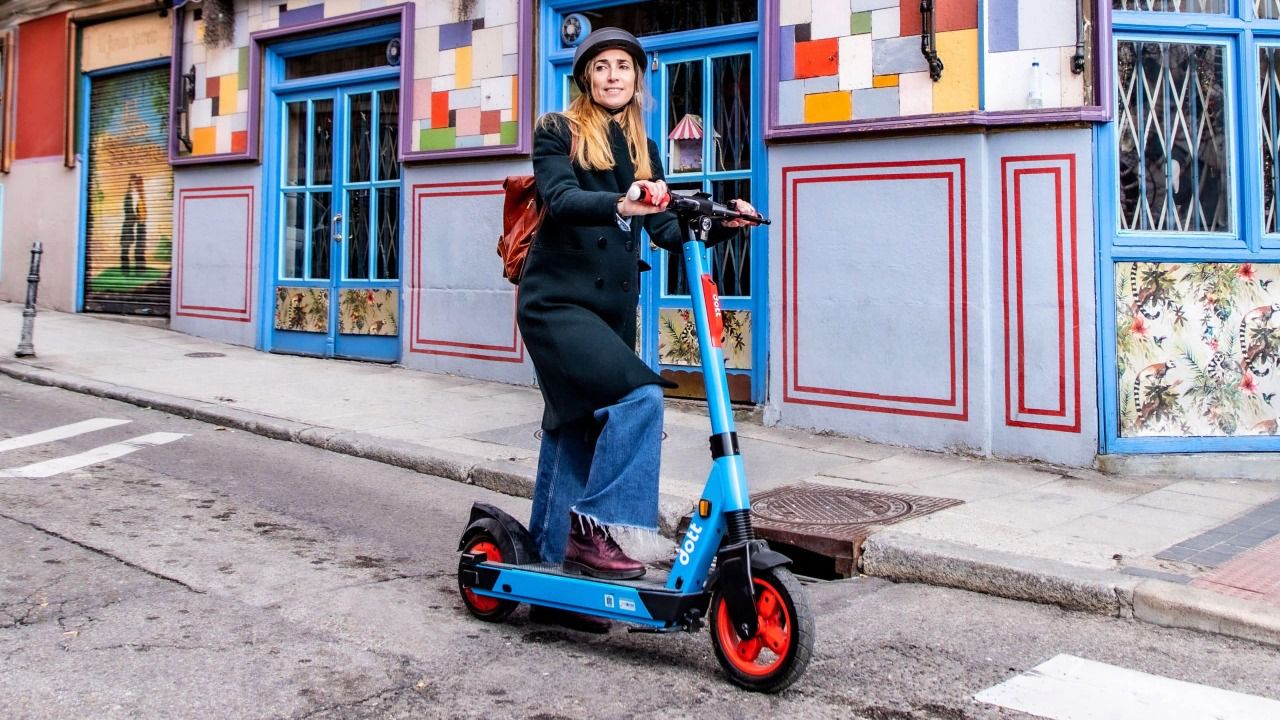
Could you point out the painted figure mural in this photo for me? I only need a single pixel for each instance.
(133, 228)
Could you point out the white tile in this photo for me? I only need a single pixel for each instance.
(500, 12)
(795, 12)
(1046, 23)
(426, 52)
(441, 83)
(886, 23)
(242, 102)
(915, 93)
(1009, 78)
(510, 39)
(855, 62)
(240, 33)
(1072, 84)
(222, 135)
(448, 62)
(437, 12)
(201, 113)
(495, 93)
(830, 19)
(486, 53)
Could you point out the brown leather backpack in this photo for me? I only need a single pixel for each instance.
(521, 216)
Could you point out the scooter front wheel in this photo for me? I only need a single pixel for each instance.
(486, 536)
(777, 655)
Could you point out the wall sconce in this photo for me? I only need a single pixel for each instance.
(929, 40)
(184, 111)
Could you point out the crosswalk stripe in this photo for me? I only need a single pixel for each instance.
(1071, 688)
(59, 433)
(52, 467)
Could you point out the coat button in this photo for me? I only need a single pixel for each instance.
(599, 283)
(626, 286)
(601, 243)
(630, 245)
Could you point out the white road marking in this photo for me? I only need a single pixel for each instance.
(1072, 688)
(52, 467)
(59, 433)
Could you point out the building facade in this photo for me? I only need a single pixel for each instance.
(1030, 229)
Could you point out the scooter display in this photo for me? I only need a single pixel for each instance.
(761, 627)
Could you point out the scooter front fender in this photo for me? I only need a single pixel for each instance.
(516, 534)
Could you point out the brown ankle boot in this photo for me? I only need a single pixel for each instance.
(590, 551)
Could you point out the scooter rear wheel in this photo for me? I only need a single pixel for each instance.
(778, 654)
(486, 537)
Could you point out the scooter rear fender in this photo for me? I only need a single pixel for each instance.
(516, 534)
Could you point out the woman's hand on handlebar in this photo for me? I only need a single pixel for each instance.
(645, 197)
(745, 208)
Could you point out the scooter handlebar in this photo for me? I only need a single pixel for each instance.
(696, 205)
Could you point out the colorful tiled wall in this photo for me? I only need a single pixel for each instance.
(465, 71)
(1023, 32)
(219, 117)
(843, 60)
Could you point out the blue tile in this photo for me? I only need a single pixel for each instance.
(1002, 28)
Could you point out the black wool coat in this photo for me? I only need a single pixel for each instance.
(581, 283)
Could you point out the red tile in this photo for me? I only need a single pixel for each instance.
(439, 110)
(1253, 575)
(490, 122)
(212, 86)
(947, 15)
(239, 141)
(817, 58)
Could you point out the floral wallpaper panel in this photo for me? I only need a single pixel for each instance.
(678, 338)
(302, 309)
(369, 312)
(1197, 348)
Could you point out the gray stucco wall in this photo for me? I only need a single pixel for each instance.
(217, 220)
(459, 312)
(892, 263)
(41, 201)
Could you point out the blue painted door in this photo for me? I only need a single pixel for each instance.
(705, 118)
(337, 222)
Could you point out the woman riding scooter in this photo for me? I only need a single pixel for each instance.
(602, 422)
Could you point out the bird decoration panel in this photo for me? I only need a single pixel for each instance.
(1198, 348)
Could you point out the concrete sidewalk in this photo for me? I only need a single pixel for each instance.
(1201, 553)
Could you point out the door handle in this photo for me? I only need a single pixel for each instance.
(337, 227)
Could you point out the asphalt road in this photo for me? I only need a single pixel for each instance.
(226, 575)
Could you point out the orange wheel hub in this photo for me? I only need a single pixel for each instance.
(492, 554)
(764, 652)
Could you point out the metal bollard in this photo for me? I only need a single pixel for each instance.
(25, 349)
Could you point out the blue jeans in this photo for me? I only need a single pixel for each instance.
(611, 477)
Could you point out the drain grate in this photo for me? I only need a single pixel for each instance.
(205, 355)
(834, 521)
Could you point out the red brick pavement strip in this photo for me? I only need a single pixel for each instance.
(1254, 575)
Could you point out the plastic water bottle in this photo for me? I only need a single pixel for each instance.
(1035, 93)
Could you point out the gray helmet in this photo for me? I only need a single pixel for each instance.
(604, 39)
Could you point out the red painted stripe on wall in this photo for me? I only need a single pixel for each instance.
(41, 95)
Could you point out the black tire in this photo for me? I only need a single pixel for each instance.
(486, 535)
(779, 653)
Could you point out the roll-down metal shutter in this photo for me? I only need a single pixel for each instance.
(129, 228)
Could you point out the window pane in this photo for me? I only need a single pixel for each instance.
(1171, 118)
(653, 17)
(357, 231)
(732, 99)
(388, 135)
(388, 234)
(1269, 89)
(684, 117)
(731, 259)
(322, 133)
(361, 57)
(1267, 9)
(359, 133)
(295, 167)
(321, 235)
(1182, 6)
(293, 250)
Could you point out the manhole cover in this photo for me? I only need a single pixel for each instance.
(205, 354)
(834, 521)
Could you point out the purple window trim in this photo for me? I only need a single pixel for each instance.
(404, 13)
(1097, 113)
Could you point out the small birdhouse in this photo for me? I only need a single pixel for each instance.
(684, 145)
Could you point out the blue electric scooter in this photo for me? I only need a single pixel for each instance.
(761, 626)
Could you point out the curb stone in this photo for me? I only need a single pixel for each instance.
(1180, 606)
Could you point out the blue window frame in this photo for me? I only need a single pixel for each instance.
(1186, 196)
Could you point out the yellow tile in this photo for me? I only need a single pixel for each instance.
(828, 107)
(462, 67)
(880, 81)
(204, 141)
(228, 88)
(957, 91)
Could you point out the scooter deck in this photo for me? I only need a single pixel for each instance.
(651, 577)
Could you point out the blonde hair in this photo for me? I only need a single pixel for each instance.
(589, 124)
